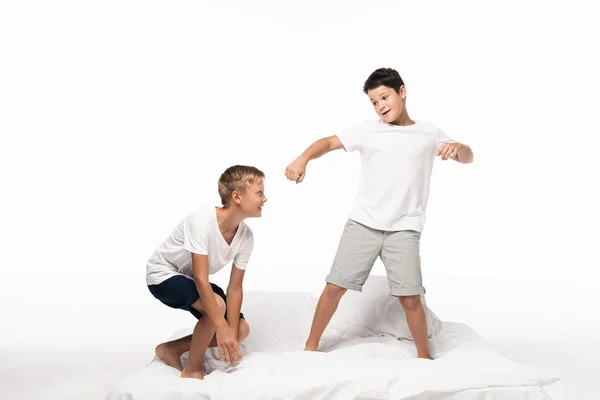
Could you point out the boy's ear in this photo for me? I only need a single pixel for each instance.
(235, 197)
(402, 92)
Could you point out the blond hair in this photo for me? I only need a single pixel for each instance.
(237, 178)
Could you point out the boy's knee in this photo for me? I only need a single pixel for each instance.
(243, 330)
(333, 291)
(220, 304)
(198, 305)
(410, 303)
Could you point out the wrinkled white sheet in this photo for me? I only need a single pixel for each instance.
(359, 365)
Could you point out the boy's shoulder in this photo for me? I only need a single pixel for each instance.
(245, 230)
(202, 216)
(426, 126)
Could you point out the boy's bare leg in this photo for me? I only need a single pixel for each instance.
(328, 303)
(170, 352)
(204, 331)
(417, 323)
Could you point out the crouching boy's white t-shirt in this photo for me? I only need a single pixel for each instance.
(199, 233)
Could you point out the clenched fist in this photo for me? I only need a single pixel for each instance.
(296, 170)
(450, 150)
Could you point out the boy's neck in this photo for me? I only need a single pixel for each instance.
(228, 218)
(403, 119)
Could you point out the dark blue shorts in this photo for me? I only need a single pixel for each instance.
(180, 292)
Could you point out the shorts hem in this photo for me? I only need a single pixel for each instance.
(343, 284)
(408, 291)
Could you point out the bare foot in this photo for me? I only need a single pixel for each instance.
(168, 356)
(310, 347)
(426, 356)
(196, 374)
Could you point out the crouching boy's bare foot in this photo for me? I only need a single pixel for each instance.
(169, 356)
(195, 374)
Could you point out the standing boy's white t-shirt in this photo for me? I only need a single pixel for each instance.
(396, 169)
(199, 233)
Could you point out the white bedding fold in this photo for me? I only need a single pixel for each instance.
(356, 366)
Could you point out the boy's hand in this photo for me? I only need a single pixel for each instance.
(227, 344)
(450, 150)
(296, 170)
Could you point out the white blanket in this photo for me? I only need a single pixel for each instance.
(359, 365)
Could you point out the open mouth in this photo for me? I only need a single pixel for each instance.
(386, 113)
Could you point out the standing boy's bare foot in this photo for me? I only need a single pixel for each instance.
(168, 356)
(425, 356)
(196, 375)
(310, 347)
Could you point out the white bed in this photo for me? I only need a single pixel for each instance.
(366, 354)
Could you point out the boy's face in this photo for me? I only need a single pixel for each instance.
(253, 199)
(388, 104)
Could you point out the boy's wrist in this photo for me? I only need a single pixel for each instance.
(303, 159)
(221, 324)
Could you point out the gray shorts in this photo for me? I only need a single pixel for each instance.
(360, 246)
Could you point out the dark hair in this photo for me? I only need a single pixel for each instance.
(384, 76)
(237, 178)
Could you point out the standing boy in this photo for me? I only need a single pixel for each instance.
(389, 210)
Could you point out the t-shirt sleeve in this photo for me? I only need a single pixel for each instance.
(241, 259)
(353, 138)
(196, 235)
(442, 137)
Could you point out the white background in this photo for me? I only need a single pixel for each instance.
(117, 119)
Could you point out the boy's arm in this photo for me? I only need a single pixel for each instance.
(456, 151)
(226, 339)
(297, 169)
(235, 295)
(200, 267)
